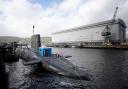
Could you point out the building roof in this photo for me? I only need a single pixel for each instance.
(103, 23)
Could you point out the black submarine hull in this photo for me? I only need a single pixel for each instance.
(55, 63)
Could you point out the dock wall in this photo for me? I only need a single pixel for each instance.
(92, 45)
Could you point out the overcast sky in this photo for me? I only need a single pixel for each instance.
(18, 16)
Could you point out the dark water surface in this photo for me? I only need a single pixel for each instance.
(107, 68)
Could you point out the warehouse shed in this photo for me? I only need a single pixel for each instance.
(93, 33)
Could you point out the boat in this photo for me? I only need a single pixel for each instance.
(54, 63)
(50, 61)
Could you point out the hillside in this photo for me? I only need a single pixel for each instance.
(44, 40)
(9, 39)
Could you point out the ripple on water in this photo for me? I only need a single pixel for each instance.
(108, 68)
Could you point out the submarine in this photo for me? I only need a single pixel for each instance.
(52, 62)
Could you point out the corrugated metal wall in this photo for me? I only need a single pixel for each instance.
(91, 34)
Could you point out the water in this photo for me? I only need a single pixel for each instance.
(107, 68)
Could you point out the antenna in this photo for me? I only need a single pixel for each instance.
(114, 16)
(33, 29)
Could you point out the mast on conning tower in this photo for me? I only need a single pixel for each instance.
(33, 29)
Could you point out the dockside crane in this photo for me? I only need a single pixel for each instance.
(115, 13)
(106, 33)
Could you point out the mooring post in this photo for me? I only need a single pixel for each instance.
(4, 83)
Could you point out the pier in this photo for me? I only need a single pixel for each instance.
(98, 45)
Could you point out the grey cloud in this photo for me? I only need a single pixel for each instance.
(18, 20)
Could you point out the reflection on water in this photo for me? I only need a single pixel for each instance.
(108, 68)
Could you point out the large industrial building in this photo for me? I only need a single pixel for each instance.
(110, 31)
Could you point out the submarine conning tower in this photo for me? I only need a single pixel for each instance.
(35, 42)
